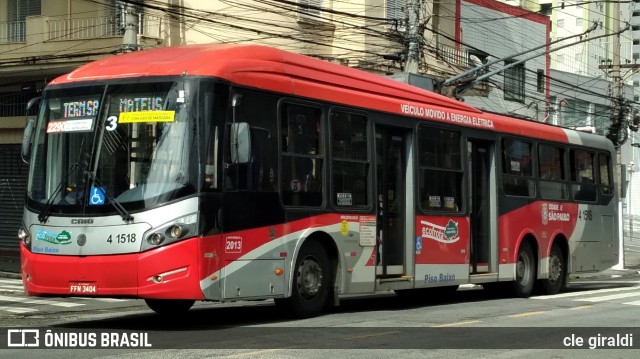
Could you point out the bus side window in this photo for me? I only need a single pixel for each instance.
(302, 155)
(583, 187)
(441, 172)
(350, 165)
(517, 175)
(604, 167)
(551, 169)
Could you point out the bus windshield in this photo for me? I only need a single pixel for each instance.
(129, 144)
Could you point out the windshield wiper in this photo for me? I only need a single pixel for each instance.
(123, 212)
(44, 213)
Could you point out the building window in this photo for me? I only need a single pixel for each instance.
(578, 21)
(601, 118)
(578, 57)
(560, 58)
(545, 9)
(540, 81)
(560, 22)
(310, 8)
(514, 82)
(396, 13)
(18, 10)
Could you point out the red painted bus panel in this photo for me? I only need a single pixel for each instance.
(443, 240)
(121, 275)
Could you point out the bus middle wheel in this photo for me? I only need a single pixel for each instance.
(525, 271)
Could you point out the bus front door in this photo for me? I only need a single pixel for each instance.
(391, 175)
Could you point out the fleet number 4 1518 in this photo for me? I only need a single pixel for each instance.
(122, 238)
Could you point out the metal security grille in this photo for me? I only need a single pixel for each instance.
(13, 185)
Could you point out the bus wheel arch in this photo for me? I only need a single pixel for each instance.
(526, 267)
(313, 277)
(557, 266)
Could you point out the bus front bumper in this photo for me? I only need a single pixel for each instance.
(169, 272)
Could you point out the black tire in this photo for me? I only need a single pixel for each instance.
(525, 271)
(170, 306)
(311, 283)
(557, 271)
(432, 294)
(498, 289)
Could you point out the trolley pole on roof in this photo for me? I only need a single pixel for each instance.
(130, 38)
(413, 56)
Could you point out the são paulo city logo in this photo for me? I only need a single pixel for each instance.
(447, 234)
(554, 212)
(545, 214)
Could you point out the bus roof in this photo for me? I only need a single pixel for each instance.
(234, 62)
(290, 73)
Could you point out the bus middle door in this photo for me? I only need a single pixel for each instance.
(391, 199)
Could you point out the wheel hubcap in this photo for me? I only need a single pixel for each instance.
(555, 268)
(309, 278)
(522, 269)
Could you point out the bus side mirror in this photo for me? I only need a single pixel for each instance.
(240, 142)
(27, 136)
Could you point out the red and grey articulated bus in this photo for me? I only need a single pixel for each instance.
(231, 172)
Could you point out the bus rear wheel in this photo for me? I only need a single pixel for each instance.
(557, 271)
(525, 271)
(169, 306)
(311, 282)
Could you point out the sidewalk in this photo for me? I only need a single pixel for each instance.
(9, 266)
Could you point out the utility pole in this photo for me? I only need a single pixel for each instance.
(130, 38)
(413, 56)
(618, 103)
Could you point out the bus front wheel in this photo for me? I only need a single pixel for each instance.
(311, 282)
(525, 271)
(169, 306)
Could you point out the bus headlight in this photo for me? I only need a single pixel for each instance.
(177, 231)
(170, 232)
(155, 239)
(24, 236)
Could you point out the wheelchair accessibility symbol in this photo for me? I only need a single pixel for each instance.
(97, 196)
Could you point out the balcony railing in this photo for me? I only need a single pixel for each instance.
(97, 27)
(453, 56)
(13, 31)
(14, 103)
